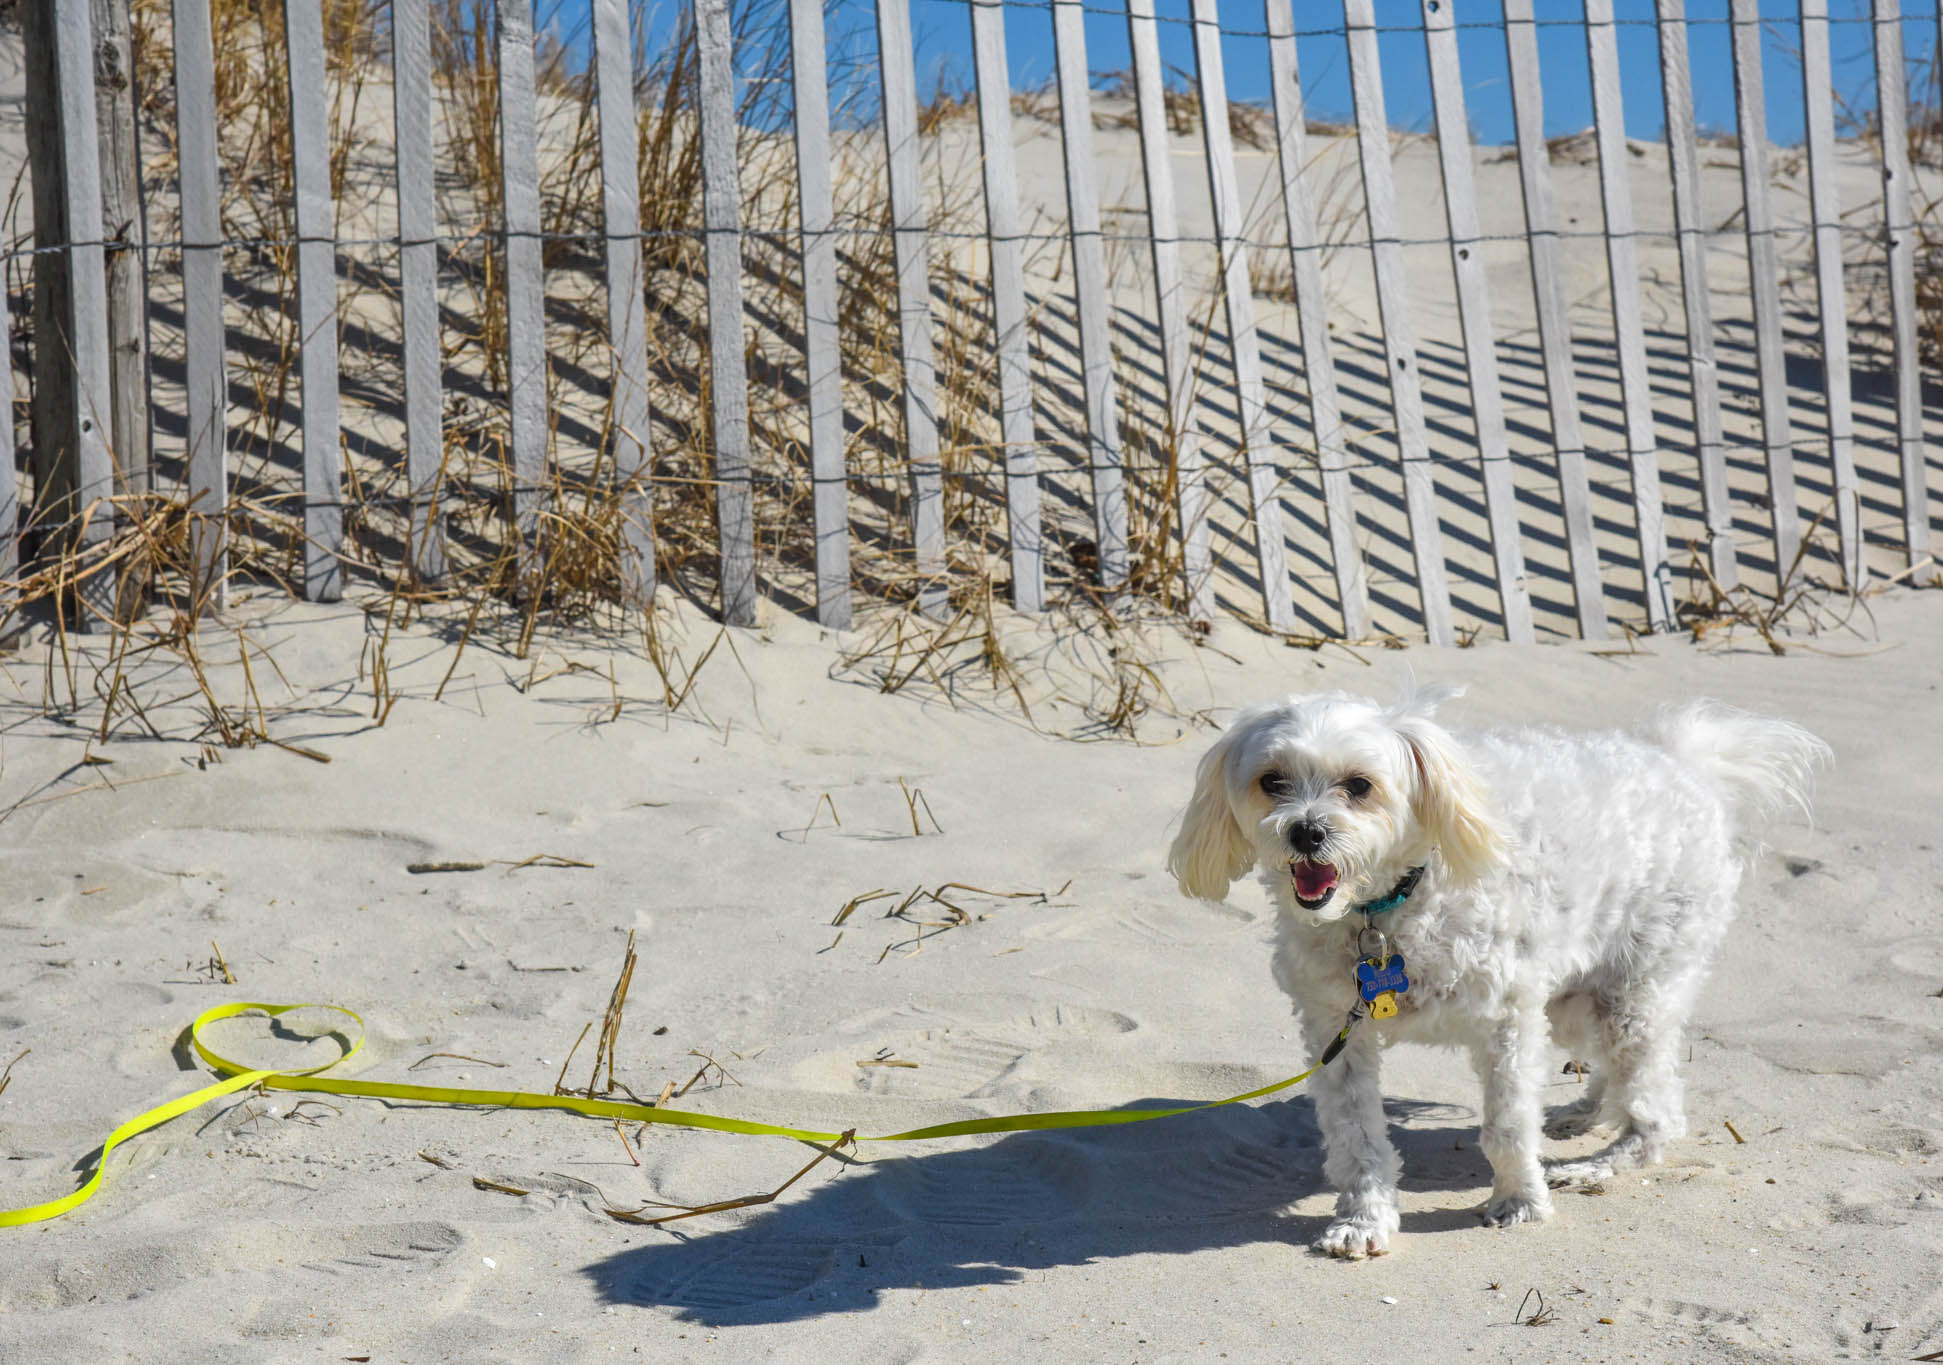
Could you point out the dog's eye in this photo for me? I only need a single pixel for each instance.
(1275, 785)
(1356, 787)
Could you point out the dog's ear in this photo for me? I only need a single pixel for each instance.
(1448, 800)
(1210, 852)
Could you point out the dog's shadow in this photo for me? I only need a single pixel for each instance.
(987, 1215)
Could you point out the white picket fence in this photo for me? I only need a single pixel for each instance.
(1266, 469)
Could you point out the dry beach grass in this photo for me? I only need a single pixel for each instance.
(907, 874)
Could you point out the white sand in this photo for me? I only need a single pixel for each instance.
(244, 1233)
(248, 1233)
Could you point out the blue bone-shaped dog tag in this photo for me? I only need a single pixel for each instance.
(1373, 980)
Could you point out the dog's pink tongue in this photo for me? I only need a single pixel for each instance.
(1312, 879)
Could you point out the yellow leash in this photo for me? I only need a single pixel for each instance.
(239, 1077)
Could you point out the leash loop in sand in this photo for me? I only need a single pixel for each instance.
(237, 1076)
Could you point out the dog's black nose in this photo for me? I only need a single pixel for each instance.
(1307, 837)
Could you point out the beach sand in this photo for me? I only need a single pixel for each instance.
(254, 1230)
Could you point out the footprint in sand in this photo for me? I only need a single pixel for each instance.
(987, 1187)
(1003, 1015)
(948, 1064)
(1724, 1328)
(1210, 1180)
(1921, 957)
(146, 1267)
(751, 1274)
(1828, 1045)
(1148, 925)
(391, 1247)
(961, 1047)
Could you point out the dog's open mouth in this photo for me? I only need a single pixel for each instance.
(1315, 883)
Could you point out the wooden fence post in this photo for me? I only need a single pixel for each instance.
(1312, 309)
(526, 361)
(822, 336)
(1629, 327)
(1703, 373)
(1244, 341)
(728, 375)
(627, 322)
(1009, 317)
(1554, 331)
(206, 385)
(73, 466)
(1399, 340)
(1011, 341)
(1104, 457)
(1899, 236)
(1171, 307)
(1830, 293)
(125, 263)
(909, 235)
(1474, 310)
(9, 479)
(418, 302)
(303, 28)
(1764, 278)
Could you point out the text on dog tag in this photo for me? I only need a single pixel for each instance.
(1381, 983)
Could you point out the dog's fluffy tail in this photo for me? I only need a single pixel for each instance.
(1765, 766)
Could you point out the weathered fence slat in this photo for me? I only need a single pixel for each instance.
(909, 247)
(1554, 331)
(1683, 162)
(1009, 317)
(303, 28)
(1899, 235)
(1831, 294)
(1251, 395)
(627, 325)
(74, 469)
(1474, 309)
(1399, 344)
(206, 382)
(1312, 321)
(9, 478)
(418, 264)
(125, 264)
(1764, 271)
(1622, 264)
(1182, 435)
(1105, 458)
(728, 361)
(526, 362)
(822, 345)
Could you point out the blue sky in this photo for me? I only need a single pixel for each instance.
(942, 30)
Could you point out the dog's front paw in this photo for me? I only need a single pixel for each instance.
(1352, 1237)
(1506, 1209)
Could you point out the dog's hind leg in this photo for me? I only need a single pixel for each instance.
(1575, 1027)
(1644, 1096)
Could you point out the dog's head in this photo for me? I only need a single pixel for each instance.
(1328, 794)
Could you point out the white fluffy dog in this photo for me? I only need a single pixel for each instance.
(1552, 886)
